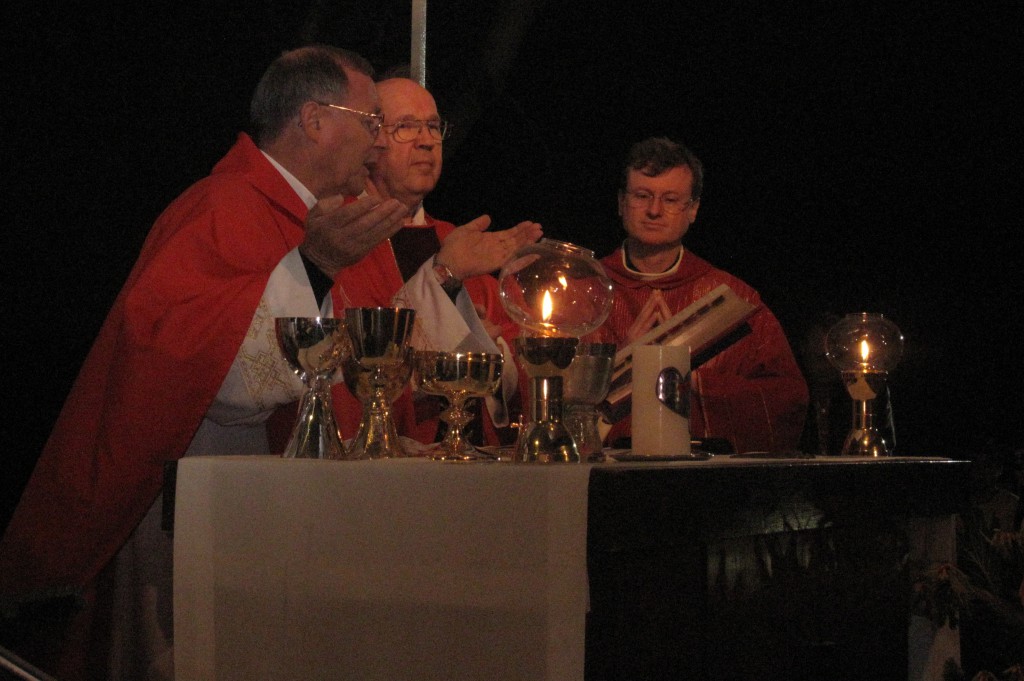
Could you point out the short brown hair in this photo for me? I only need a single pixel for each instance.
(655, 155)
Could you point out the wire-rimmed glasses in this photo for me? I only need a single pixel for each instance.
(409, 130)
(372, 121)
(670, 203)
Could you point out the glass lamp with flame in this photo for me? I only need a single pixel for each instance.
(555, 289)
(556, 292)
(865, 347)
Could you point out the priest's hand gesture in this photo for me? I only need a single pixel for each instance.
(339, 231)
(470, 250)
(654, 312)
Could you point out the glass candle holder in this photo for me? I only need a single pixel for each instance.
(864, 347)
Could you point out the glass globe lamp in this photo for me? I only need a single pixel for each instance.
(556, 292)
(555, 289)
(864, 347)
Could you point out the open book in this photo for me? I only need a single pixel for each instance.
(708, 326)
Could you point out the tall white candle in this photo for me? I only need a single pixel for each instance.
(657, 429)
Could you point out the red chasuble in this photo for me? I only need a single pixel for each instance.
(752, 393)
(153, 372)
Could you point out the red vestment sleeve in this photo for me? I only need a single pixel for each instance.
(154, 370)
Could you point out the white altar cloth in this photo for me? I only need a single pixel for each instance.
(398, 569)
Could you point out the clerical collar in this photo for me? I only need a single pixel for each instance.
(293, 182)
(631, 268)
(419, 217)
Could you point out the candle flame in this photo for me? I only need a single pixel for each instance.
(546, 307)
(865, 350)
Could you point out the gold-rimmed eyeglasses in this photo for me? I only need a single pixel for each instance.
(409, 130)
(670, 203)
(372, 121)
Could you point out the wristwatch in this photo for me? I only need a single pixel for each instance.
(448, 281)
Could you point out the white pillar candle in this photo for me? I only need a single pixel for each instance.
(657, 429)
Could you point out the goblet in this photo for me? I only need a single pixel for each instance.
(457, 376)
(376, 371)
(314, 348)
(586, 384)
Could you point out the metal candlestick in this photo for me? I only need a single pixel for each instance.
(544, 357)
(545, 439)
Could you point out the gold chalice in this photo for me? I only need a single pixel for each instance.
(314, 348)
(376, 371)
(457, 376)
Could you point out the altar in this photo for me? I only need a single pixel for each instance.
(413, 569)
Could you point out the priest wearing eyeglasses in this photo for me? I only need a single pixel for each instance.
(442, 270)
(752, 393)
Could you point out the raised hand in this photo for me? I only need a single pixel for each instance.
(471, 250)
(339, 232)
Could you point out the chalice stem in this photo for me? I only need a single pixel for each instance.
(864, 439)
(863, 415)
(377, 437)
(456, 417)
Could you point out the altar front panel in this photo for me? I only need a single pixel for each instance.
(410, 569)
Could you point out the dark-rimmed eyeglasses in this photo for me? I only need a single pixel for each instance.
(372, 121)
(407, 131)
(670, 203)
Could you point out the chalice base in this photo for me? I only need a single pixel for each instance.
(581, 422)
(315, 435)
(865, 442)
(377, 437)
(455, 447)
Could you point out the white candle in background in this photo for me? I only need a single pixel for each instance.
(657, 429)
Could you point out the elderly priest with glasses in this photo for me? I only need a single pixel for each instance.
(441, 270)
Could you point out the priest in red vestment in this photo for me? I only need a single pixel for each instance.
(186, 361)
(408, 168)
(753, 393)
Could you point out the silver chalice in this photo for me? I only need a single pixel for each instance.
(314, 348)
(586, 385)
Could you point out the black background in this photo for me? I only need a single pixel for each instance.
(858, 157)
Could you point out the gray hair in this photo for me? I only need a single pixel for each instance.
(655, 155)
(314, 72)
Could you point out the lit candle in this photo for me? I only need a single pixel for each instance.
(865, 352)
(546, 310)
